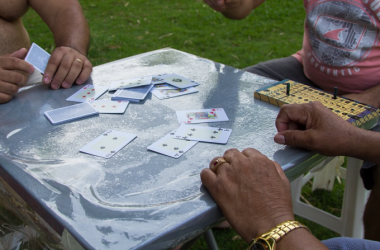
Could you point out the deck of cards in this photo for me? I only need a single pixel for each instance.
(163, 86)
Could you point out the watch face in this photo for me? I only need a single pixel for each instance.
(258, 246)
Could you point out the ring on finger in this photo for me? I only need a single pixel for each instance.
(79, 60)
(219, 161)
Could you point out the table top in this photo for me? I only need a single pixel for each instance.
(138, 198)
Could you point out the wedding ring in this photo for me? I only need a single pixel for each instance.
(219, 161)
(79, 60)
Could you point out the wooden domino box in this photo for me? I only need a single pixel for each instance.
(359, 114)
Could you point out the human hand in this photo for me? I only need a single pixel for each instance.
(314, 127)
(251, 190)
(234, 9)
(65, 67)
(222, 5)
(14, 73)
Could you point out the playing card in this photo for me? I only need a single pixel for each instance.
(108, 144)
(61, 115)
(170, 146)
(133, 94)
(110, 107)
(179, 81)
(162, 86)
(168, 93)
(157, 79)
(130, 83)
(87, 94)
(38, 57)
(202, 133)
(202, 115)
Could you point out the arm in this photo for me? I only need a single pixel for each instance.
(316, 128)
(72, 37)
(369, 96)
(234, 9)
(254, 196)
(14, 73)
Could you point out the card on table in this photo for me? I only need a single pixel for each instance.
(179, 81)
(162, 86)
(38, 57)
(172, 147)
(157, 79)
(133, 94)
(87, 94)
(108, 144)
(66, 114)
(110, 107)
(130, 83)
(202, 133)
(168, 93)
(202, 115)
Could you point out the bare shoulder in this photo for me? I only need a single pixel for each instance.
(13, 10)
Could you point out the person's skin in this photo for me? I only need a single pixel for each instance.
(71, 35)
(254, 196)
(234, 9)
(239, 9)
(315, 127)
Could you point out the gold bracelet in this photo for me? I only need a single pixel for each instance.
(268, 240)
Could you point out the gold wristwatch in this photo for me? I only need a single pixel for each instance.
(268, 240)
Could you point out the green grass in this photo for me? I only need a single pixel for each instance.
(124, 28)
(121, 29)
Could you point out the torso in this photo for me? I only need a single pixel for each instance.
(13, 35)
(342, 44)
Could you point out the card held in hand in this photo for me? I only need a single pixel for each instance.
(70, 113)
(202, 133)
(38, 57)
(172, 147)
(108, 143)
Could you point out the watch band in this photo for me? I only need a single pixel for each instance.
(269, 239)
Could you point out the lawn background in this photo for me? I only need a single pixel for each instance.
(121, 29)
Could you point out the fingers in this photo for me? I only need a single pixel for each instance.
(208, 178)
(65, 67)
(294, 138)
(290, 117)
(21, 53)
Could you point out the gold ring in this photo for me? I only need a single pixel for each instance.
(219, 161)
(79, 60)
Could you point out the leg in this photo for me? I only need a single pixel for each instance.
(371, 217)
(280, 69)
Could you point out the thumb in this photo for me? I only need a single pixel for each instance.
(21, 53)
(294, 138)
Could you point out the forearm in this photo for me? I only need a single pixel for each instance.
(365, 145)
(71, 30)
(369, 96)
(66, 21)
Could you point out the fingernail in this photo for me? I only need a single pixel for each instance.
(66, 85)
(78, 81)
(31, 69)
(46, 79)
(280, 139)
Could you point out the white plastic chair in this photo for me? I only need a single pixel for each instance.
(354, 199)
